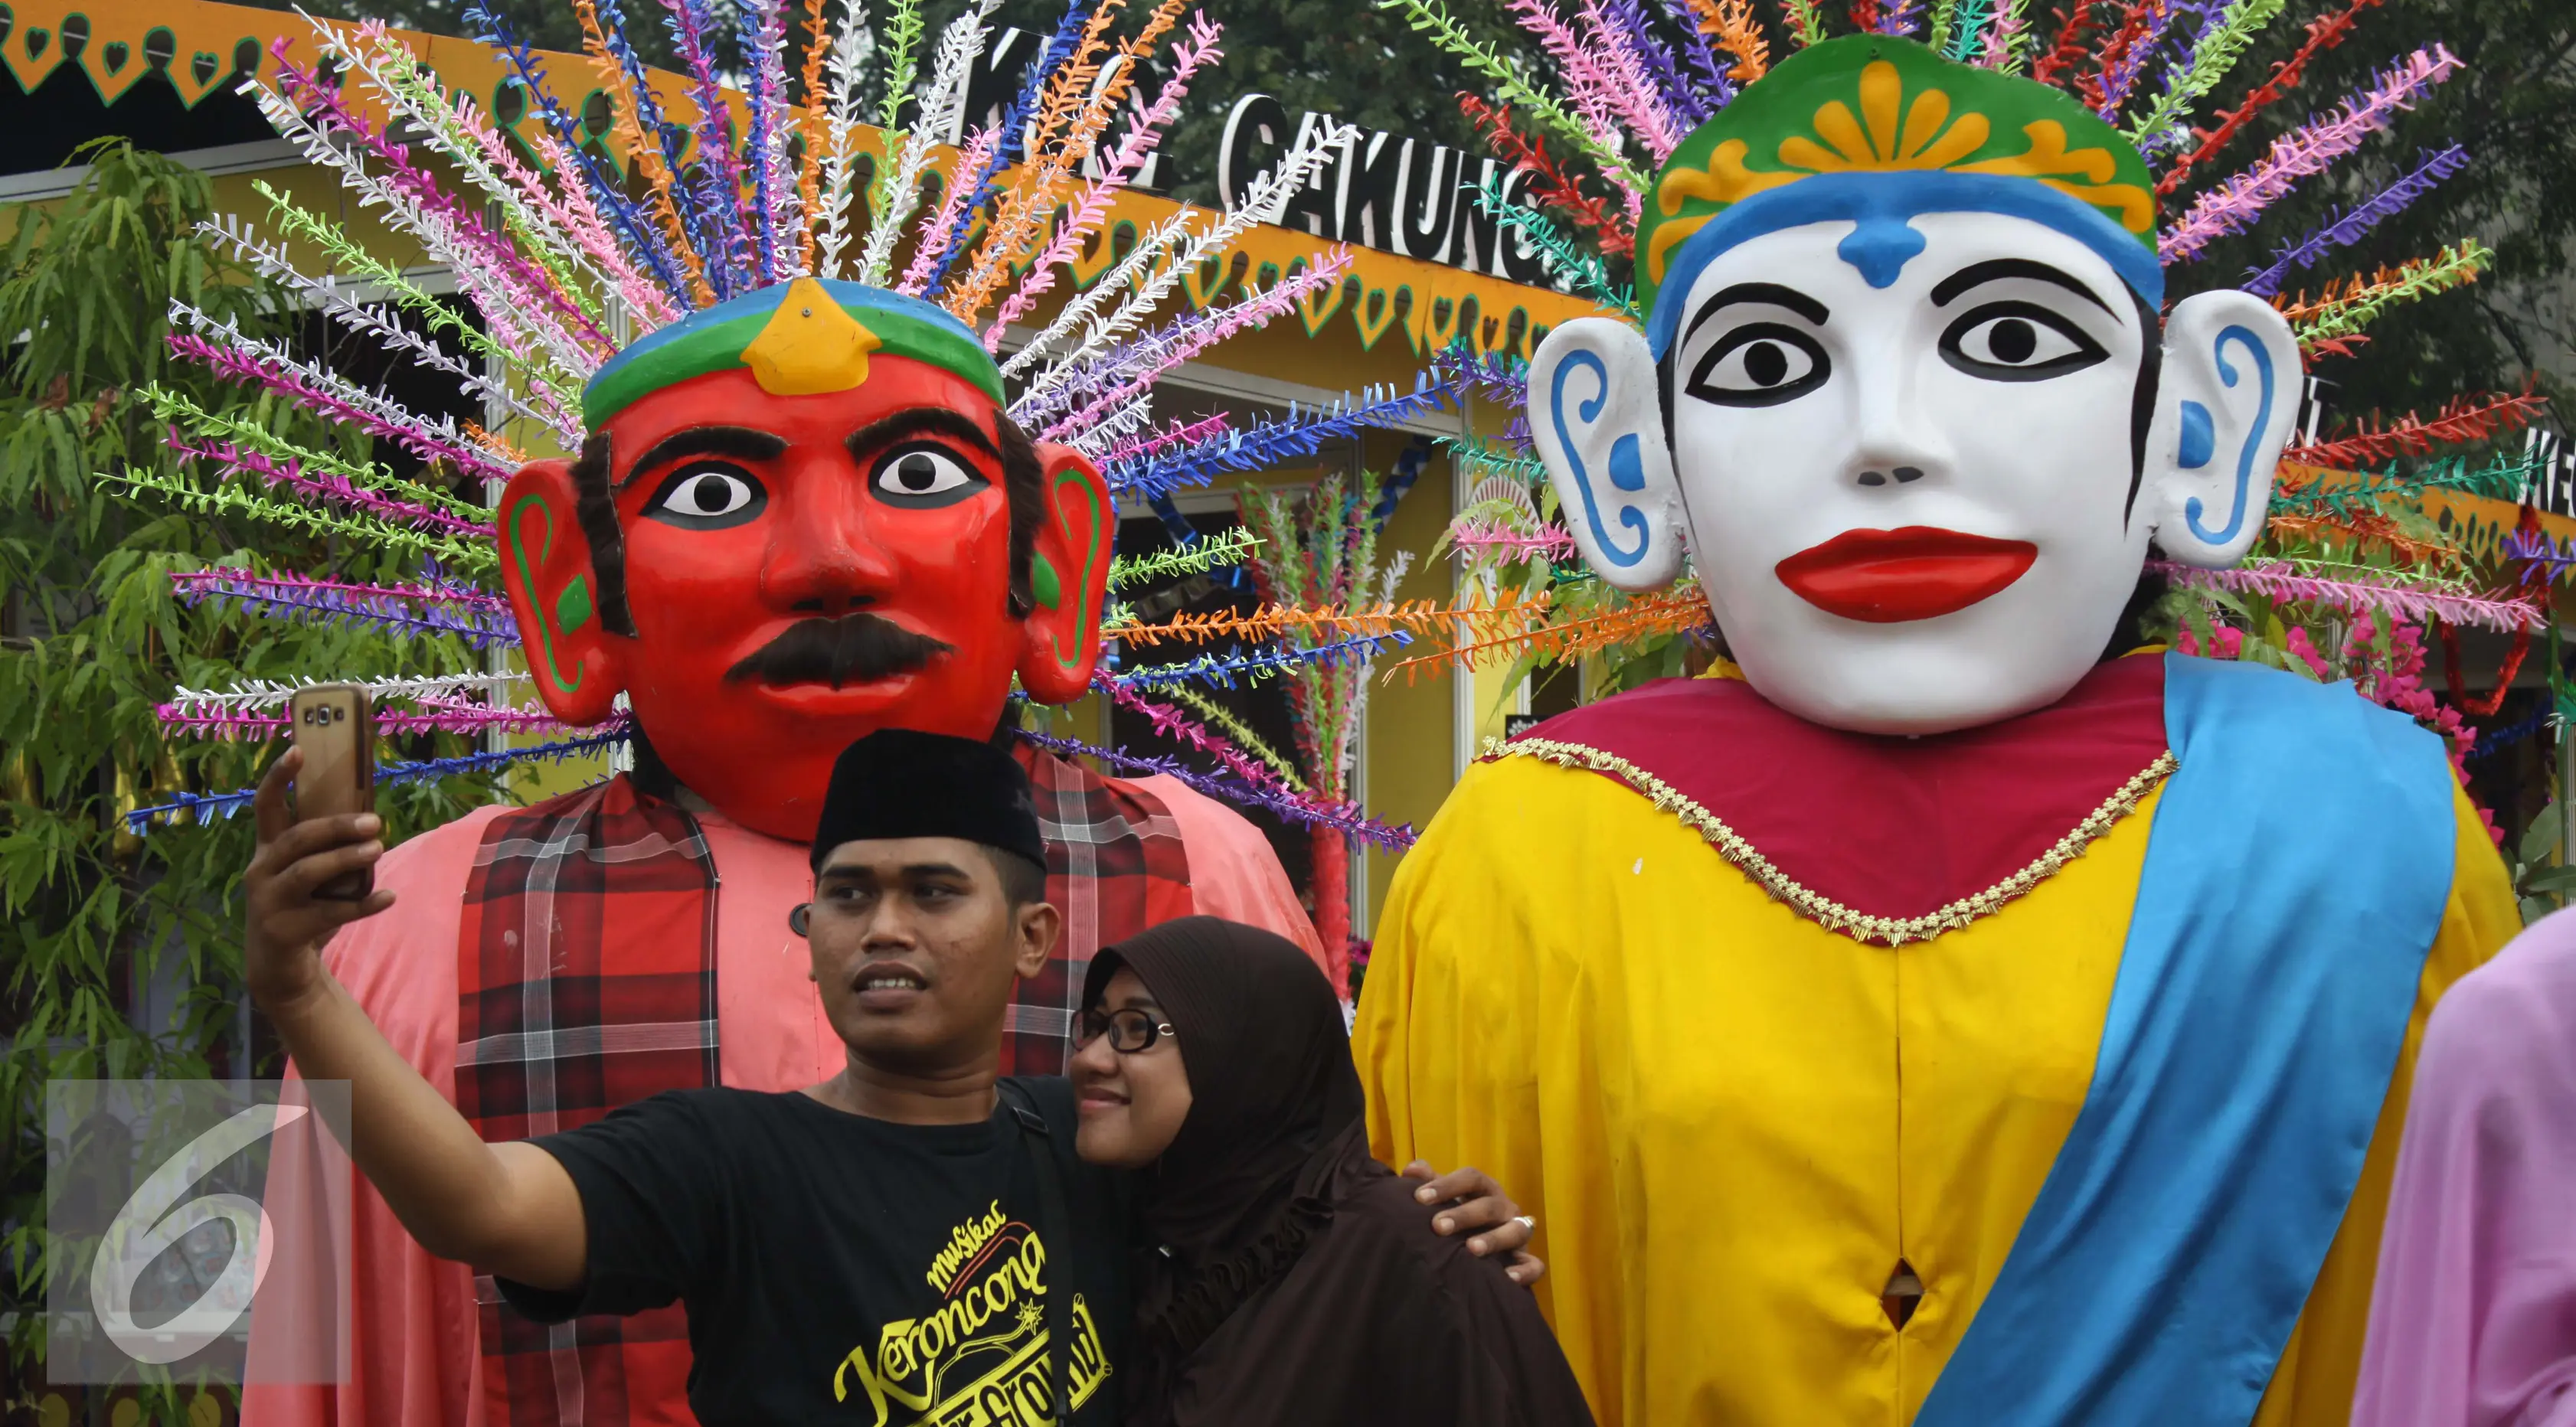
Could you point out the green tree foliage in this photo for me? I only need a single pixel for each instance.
(120, 956)
(2513, 107)
(2539, 883)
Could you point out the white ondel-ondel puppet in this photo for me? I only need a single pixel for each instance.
(1921, 493)
(1949, 1013)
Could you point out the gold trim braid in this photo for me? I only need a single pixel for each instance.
(1832, 915)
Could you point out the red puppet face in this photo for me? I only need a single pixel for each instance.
(799, 571)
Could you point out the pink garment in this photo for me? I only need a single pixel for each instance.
(1233, 872)
(2473, 1320)
(415, 1358)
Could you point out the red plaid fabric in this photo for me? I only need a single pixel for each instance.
(1115, 866)
(550, 1037)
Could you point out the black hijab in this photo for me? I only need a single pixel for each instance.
(1270, 1072)
(1271, 1089)
(1362, 1317)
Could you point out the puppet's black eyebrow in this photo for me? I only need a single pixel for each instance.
(742, 441)
(1997, 269)
(1767, 292)
(918, 420)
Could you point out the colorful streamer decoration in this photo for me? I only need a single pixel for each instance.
(2331, 322)
(2350, 226)
(2324, 33)
(2310, 149)
(1584, 270)
(1201, 555)
(481, 620)
(1554, 187)
(1179, 433)
(2365, 530)
(1301, 433)
(2277, 581)
(2460, 421)
(1174, 724)
(1242, 734)
(1226, 670)
(1345, 818)
(1683, 611)
(253, 696)
(1409, 618)
(179, 492)
(1476, 538)
(2342, 493)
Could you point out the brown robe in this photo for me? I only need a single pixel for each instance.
(1293, 1279)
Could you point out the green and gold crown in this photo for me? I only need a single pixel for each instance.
(798, 338)
(1876, 127)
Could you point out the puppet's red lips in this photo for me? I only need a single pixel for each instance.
(1891, 576)
(815, 699)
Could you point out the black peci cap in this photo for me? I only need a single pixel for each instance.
(899, 782)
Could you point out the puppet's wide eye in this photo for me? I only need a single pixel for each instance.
(2018, 342)
(924, 474)
(1763, 364)
(708, 495)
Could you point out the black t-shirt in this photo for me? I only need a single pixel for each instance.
(843, 1269)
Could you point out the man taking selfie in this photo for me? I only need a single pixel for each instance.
(912, 1239)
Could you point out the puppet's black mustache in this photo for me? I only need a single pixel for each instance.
(853, 649)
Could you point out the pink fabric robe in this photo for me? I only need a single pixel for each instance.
(2473, 1320)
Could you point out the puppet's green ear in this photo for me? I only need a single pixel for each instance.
(546, 568)
(1068, 578)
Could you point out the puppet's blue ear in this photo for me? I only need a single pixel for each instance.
(2228, 395)
(1595, 417)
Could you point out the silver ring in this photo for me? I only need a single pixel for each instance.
(1528, 1221)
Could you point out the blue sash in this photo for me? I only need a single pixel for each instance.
(2296, 877)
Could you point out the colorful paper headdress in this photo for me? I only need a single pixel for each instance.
(1873, 129)
(1950, 104)
(750, 232)
(707, 230)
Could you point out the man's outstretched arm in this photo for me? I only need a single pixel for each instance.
(510, 1208)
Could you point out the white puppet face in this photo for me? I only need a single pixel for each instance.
(1920, 506)
(1911, 503)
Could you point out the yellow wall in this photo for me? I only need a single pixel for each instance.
(1409, 751)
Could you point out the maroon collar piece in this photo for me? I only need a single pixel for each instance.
(1883, 839)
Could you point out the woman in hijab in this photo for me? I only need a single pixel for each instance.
(1289, 1277)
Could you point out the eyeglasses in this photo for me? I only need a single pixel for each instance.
(1129, 1030)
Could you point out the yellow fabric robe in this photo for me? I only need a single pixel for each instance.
(1732, 1124)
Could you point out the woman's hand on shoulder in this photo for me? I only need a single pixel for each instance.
(1469, 1201)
